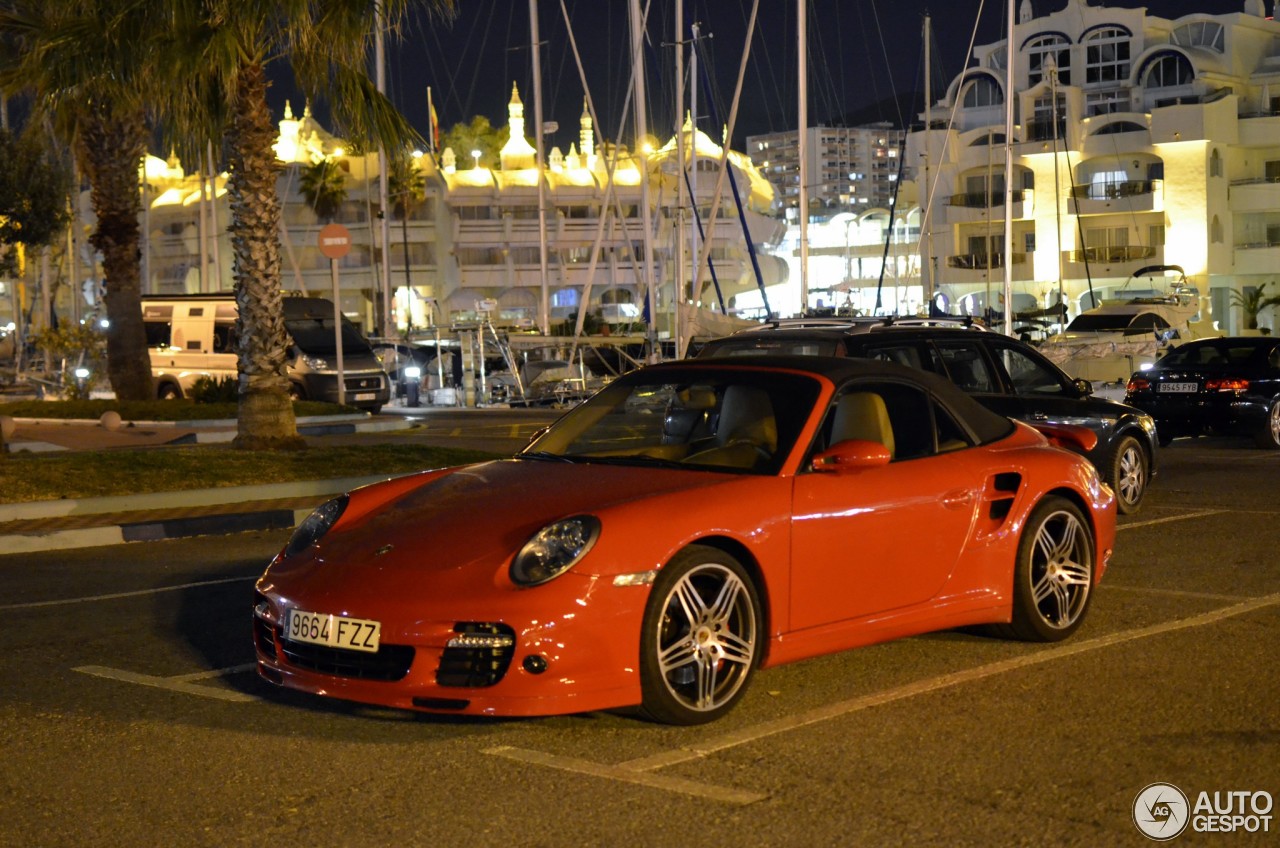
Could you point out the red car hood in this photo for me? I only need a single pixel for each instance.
(477, 515)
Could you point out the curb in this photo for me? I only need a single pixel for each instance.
(142, 529)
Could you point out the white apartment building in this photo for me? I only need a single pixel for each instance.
(476, 239)
(1137, 141)
(850, 168)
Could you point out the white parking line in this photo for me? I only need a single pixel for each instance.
(180, 683)
(1201, 514)
(631, 770)
(1175, 593)
(115, 595)
(624, 774)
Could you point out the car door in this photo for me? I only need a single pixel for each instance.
(877, 539)
(1037, 391)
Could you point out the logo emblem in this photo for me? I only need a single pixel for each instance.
(1161, 811)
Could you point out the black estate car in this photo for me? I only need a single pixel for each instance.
(1223, 385)
(1004, 374)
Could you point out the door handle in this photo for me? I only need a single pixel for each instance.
(958, 499)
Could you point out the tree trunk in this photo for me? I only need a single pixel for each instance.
(265, 420)
(111, 149)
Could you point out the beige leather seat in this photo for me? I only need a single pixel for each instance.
(862, 415)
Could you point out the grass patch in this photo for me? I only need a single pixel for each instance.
(153, 410)
(85, 474)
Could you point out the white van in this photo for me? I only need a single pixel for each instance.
(193, 336)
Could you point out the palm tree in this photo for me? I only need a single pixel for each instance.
(85, 63)
(1253, 301)
(223, 49)
(408, 188)
(324, 185)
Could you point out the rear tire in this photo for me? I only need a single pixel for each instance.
(168, 391)
(1128, 472)
(701, 637)
(1053, 574)
(1267, 436)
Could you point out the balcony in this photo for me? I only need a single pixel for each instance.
(1112, 260)
(1127, 196)
(976, 206)
(1258, 195)
(979, 267)
(1257, 258)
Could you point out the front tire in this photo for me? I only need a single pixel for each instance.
(168, 391)
(700, 639)
(1267, 436)
(1053, 575)
(1128, 472)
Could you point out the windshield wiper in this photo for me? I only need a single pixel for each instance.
(546, 455)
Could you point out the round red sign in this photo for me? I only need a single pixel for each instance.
(334, 240)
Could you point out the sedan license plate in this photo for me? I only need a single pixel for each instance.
(1179, 388)
(336, 631)
(364, 396)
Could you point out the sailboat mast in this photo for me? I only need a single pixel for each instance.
(694, 246)
(678, 240)
(802, 145)
(642, 131)
(544, 308)
(926, 263)
(1008, 179)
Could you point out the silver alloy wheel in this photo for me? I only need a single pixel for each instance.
(1273, 424)
(1061, 569)
(1131, 473)
(706, 644)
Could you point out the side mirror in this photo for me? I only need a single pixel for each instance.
(851, 454)
(1084, 387)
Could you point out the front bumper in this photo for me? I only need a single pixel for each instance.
(574, 648)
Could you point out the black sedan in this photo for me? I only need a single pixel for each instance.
(1225, 385)
(1003, 374)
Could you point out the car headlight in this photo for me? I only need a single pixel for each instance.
(315, 363)
(315, 525)
(554, 549)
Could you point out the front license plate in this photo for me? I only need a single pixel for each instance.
(364, 396)
(336, 631)
(1179, 388)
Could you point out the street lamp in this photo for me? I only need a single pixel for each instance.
(475, 155)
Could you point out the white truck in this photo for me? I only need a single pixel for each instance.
(193, 336)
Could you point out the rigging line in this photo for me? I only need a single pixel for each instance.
(711, 267)
(610, 164)
(931, 189)
(780, 98)
(726, 168)
(888, 66)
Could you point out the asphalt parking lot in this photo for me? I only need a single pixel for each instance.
(129, 702)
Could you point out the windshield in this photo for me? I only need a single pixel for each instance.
(314, 337)
(734, 420)
(1085, 322)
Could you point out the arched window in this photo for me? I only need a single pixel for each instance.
(1120, 127)
(1106, 55)
(1168, 70)
(1040, 50)
(1205, 34)
(1215, 163)
(1215, 230)
(983, 91)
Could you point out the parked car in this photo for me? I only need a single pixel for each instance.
(1004, 374)
(688, 524)
(194, 336)
(1223, 385)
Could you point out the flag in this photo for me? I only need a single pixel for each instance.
(435, 124)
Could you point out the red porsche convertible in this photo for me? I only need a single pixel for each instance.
(690, 524)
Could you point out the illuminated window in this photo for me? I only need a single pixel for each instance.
(1106, 57)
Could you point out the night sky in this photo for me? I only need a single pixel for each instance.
(862, 54)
